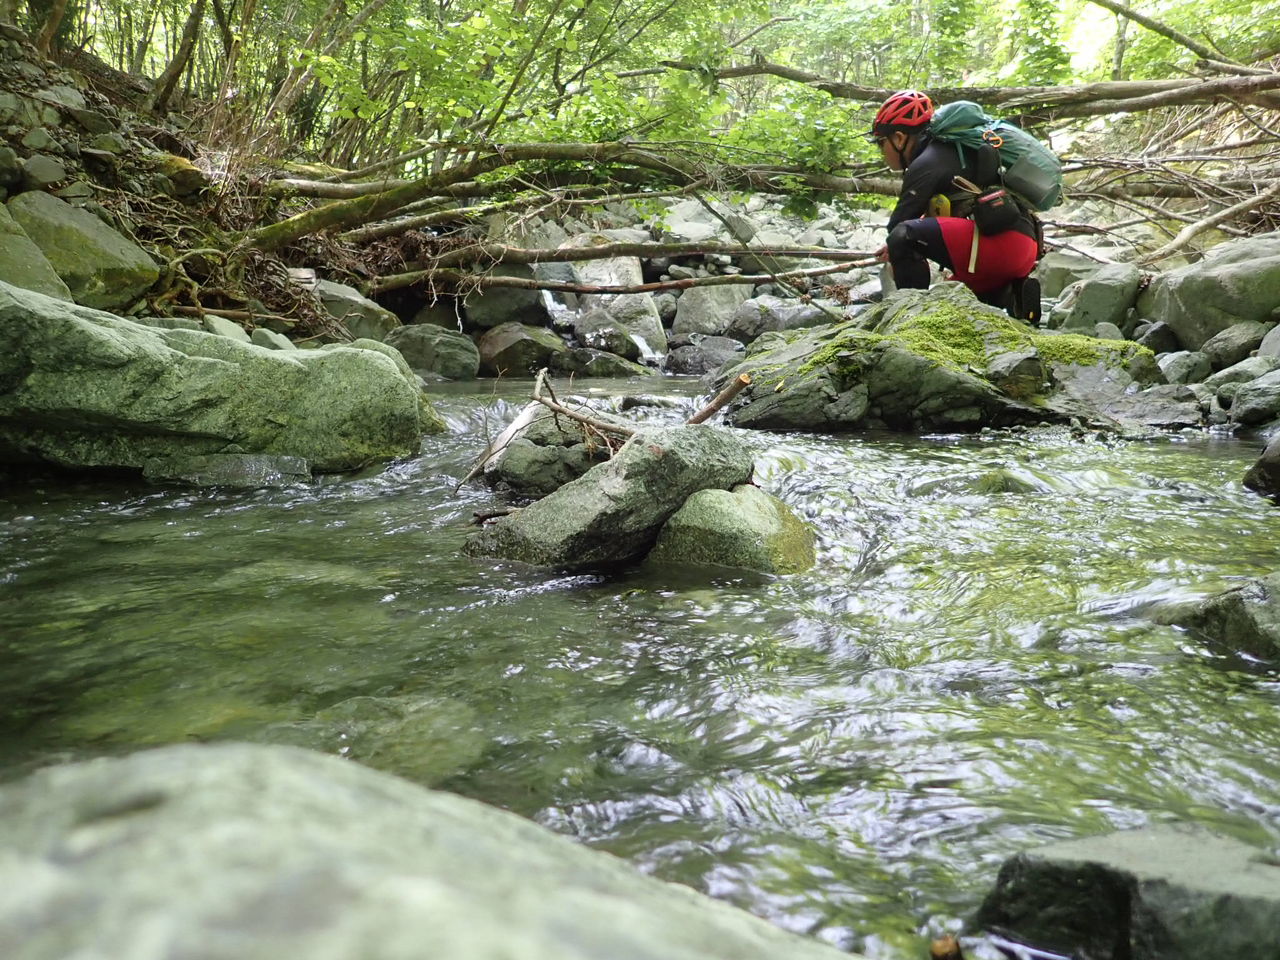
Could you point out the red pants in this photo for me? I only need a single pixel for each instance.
(948, 241)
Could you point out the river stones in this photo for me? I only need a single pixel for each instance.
(613, 512)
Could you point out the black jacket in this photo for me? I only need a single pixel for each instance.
(930, 170)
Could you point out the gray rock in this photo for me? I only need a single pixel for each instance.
(100, 267)
(1237, 280)
(744, 527)
(1243, 372)
(598, 330)
(613, 512)
(84, 388)
(23, 265)
(10, 167)
(92, 121)
(1108, 331)
(38, 139)
(516, 350)
(364, 319)
(40, 171)
(1160, 338)
(1264, 476)
(1270, 346)
(704, 355)
(708, 310)
(666, 305)
(767, 313)
(1017, 373)
(270, 339)
(241, 470)
(76, 192)
(223, 327)
(1059, 269)
(1185, 366)
(770, 263)
(239, 852)
(1105, 297)
(1257, 401)
(1234, 343)
(112, 143)
(635, 311)
(1160, 893)
(585, 362)
(437, 350)
(490, 307)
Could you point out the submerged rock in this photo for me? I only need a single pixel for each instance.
(230, 470)
(83, 388)
(1244, 620)
(613, 513)
(1160, 893)
(237, 852)
(743, 527)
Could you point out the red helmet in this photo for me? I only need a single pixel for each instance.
(905, 110)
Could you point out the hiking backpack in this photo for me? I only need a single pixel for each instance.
(1027, 166)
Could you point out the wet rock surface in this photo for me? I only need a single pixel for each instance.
(1160, 893)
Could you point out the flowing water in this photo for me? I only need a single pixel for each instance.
(968, 671)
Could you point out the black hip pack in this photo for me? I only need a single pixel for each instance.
(995, 211)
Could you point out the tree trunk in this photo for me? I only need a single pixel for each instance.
(158, 99)
(45, 40)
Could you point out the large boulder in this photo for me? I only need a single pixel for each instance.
(364, 319)
(613, 513)
(1061, 268)
(1236, 281)
(708, 310)
(493, 306)
(597, 330)
(433, 349)
(516, 350)
(744, 527)
(23, 265)
(1257, 401)
(1234, 343)
(101, 268)
(238, 852)
(1264, 475)
(635, 311)
(767, 313)
(83, 388)
(1245, 619)
(1105, 297)
(920, 360)
(698, 354)
(1167, 892)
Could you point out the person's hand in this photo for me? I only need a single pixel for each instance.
(882, 255)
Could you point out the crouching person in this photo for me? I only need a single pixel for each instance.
(942, 189)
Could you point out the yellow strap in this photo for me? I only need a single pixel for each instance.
(973, 251)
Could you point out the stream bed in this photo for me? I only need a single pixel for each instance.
(850, 753)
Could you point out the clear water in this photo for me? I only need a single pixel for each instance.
(849, 753)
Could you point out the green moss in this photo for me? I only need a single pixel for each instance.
(842, 352)
(1074, 348)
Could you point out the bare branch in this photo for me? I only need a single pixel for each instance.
(1191, 231)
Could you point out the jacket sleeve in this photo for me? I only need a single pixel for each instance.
(914, 199)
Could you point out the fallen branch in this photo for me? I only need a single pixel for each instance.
(723, 398)
(598, 425)
(461, 279)
(1193, 230)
